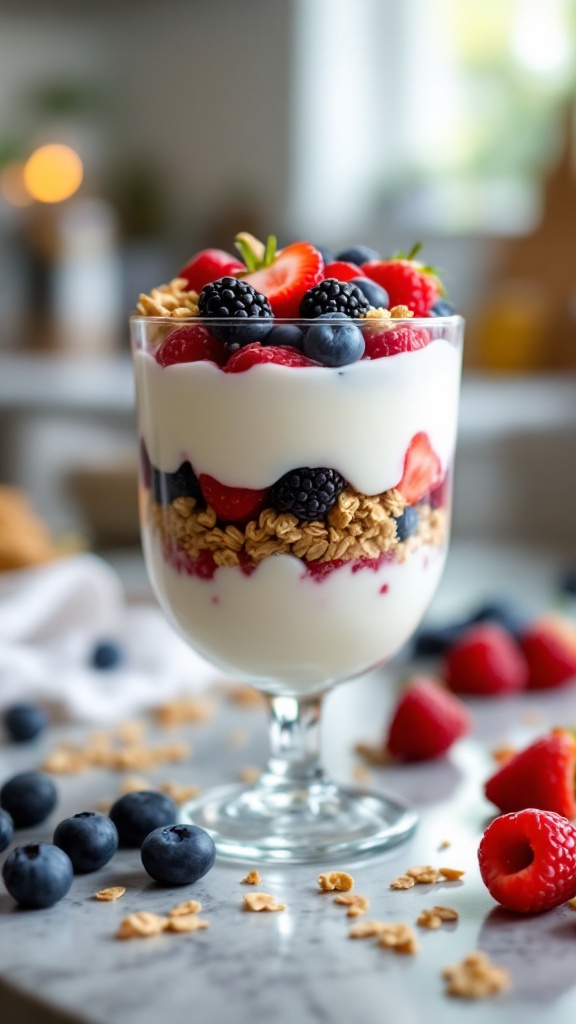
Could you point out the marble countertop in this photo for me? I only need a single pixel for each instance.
(65, 964)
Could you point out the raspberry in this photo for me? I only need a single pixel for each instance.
(208, 265)
(248, 311)
(550, 649)
(540, 776)
(332, 296)
(528, 860)
(390, 342)
(342, 270)
(191, 344)
(232, 504)
(426, 722)
(307, 493)
(486, 661)
(407, 282)
(254, 354)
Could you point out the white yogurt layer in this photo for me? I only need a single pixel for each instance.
(286, 632)
(248, 429)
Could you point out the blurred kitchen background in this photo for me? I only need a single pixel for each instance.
(134, 132)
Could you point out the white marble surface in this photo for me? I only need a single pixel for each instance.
(64, 964)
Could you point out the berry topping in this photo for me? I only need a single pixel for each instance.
(426, 722)
(336, 343)
(307, 493)
(541, 776)
(233, 504)
(550, 649)
(486, 661)
(137, 814)
(183, 483)
(358, 254)
(381, 342)
(231, 299)
(89, 839)
(254, 354)
(106, 655)
(528, 860)
(6, 830)
(332, 296)
(29, 798)
(37, 875)
(286, 334)
(376, 295)
(178, 855)
(422, 469)
(285, 276)
(208, 265)
(407, 282)
(407, 524)
(342, 271)
(25, 721)
(191, 344)
(442, 308)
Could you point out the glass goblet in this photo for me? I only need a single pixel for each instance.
(295, 523)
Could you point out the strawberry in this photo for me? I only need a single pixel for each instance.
(256, 353)
(426, 722)
(209, 265)
(485, 661)
(381, 341)
(285, 276)
(528, 860)
(232, 504)
(407, 282)
(550, 650)
(190, 344)
(422, 470)
(541, 776)
(342, 271)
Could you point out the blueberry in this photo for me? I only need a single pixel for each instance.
(504, 613)
(6, 830)
(326, 254)
(442, 308)
(29, 797)
(25, 721)
(182, 483)
(567, 582)
(358, 254)
(334, 344)
(106, 654)
(89, 839)
(286, 334)
(407, 524)
(377, 295)
(137, 814)
(240, 332)
(178, 855)
(37, 875)
(430, 642)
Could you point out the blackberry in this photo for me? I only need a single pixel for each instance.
(332, 296)
(232, 299)
(183, 483)
(307, 493)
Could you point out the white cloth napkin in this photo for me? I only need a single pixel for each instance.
(50, 619)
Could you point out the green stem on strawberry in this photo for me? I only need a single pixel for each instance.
(255, 254)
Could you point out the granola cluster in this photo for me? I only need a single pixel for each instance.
(359, 526)
(171, 300)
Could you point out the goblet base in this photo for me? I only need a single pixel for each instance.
(295, 824)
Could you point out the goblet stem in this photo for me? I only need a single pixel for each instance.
(294, 741)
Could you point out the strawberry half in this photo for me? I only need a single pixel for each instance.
(191, 344)
(284, 277)
(540, 776)
(232, 504)
(426, 722)
(210, 265)
(407, 282)
(422, 470)
(255, 353)
(550, 650)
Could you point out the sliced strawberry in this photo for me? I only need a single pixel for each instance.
(190, 344)
(550, 650)
(285, 281)
(232, 504)
(426, 722)
(407, 282)
(342, 271)
(255, 353)
(540, 776)
(422, 470)
(381, 342)
(209, 265)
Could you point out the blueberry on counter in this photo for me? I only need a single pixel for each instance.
(377, 295)
(334, 344)
(6, 830)
(89, 839)
(506, 614)
(135, 815)
(358, 254)
(24, 722)
(106, 654)
(29, 798)
(37, 875)
(178, 855)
